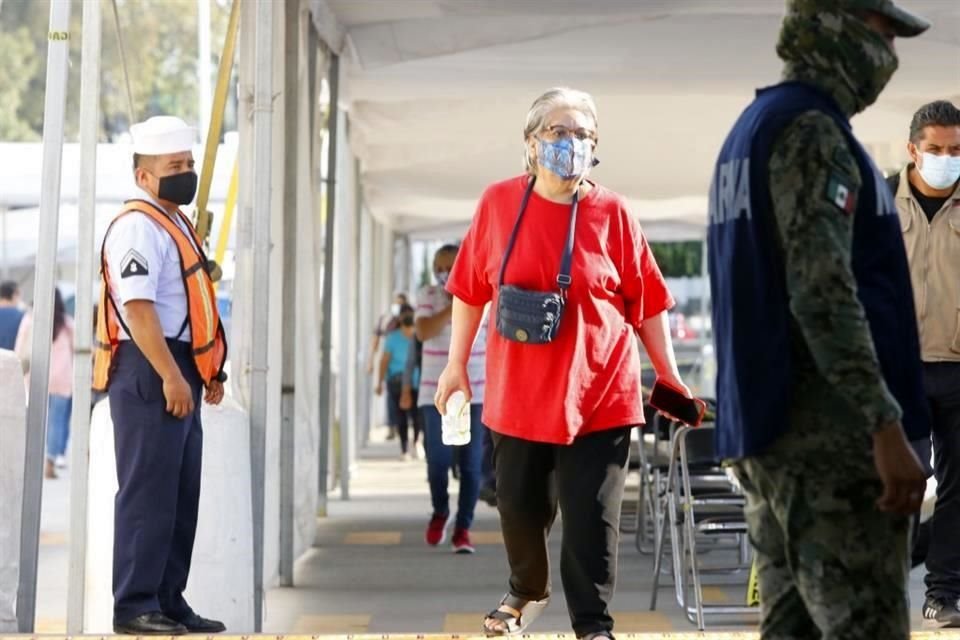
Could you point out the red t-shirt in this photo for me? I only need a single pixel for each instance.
(588, 378)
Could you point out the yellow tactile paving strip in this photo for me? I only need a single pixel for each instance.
(53, 539)
(332, 624)
(486, 537)
(373, 537)
(397, 537)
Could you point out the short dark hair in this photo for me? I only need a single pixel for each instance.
(140, 159)
(939, 113)
(8, 290)
(405, 308)
(446, 249)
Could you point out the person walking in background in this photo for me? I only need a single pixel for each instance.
(434, 308)
(387, 323)
(10, 314)
(60, 389)
(927, 195)
(561, 408)
(396, 347)
(820, 383)
(410, 393)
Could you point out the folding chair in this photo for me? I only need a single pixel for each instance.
(712, 510)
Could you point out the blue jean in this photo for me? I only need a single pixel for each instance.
(440, 459)
(58, 425)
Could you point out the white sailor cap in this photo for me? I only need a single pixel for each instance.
(161, 135)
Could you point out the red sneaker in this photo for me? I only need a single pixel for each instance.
(461, 541)
(437, 529)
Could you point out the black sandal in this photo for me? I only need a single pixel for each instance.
(529, 611)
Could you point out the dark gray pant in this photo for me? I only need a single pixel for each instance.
(586, 478)
(942, 380)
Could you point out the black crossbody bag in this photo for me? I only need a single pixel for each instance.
(533, 317)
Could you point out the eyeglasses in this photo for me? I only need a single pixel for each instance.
(560, 132)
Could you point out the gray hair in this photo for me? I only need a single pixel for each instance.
(556, 98)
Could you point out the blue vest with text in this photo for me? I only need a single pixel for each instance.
(751, 315)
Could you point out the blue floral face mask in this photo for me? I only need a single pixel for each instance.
(568, 157)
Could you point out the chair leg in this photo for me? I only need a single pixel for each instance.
(690, 531)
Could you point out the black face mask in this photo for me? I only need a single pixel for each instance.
(179, 188)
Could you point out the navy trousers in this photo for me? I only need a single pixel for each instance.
(158, 471)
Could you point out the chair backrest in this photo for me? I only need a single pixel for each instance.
(700, 446)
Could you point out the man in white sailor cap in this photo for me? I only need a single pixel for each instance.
(160, 347)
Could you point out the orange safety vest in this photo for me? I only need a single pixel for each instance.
(207, 335)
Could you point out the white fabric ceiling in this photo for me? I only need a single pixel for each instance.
(437, 91)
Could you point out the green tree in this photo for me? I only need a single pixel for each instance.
(19, 64)
(678, 259)
(160, 42)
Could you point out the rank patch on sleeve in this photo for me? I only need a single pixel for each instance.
(841, 194)
(133, 264)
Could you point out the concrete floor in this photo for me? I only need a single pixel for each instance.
(370, 571)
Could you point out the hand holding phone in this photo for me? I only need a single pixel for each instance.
(669, 400)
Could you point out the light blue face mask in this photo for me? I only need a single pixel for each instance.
(569, 158)
(940, 172)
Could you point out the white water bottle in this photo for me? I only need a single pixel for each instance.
(456, 420)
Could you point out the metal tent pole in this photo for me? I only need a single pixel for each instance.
(288, 374)
(54, 108)
(326, 377)
(262, 132)
(347, 323)
(83, 314)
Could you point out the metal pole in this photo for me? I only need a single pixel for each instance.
(291, 36)
(83, 313)
(358, 371)
(262, 133)
(203, 63)
(54, 108)
(326, 377)
(347, 325)
(365, 306)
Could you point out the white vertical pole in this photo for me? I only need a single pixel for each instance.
(345, 276)
(54, 108)
(83, 313)
(204, 91)
(326, 366)
(288, 374)
(262, 132)
(366, 305)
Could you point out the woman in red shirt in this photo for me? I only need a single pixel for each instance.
(561, 412)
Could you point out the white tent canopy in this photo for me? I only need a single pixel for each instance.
(437, 91)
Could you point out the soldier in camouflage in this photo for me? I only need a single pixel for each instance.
(828, 491)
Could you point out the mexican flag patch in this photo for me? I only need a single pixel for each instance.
(841, 194)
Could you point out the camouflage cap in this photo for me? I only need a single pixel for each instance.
(906, 24)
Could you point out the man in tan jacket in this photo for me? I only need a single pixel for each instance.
(928, 201)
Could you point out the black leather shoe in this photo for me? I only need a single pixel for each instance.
(196, 624)
(150, 624)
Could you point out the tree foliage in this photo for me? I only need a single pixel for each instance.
(678, 259)
(160, 42)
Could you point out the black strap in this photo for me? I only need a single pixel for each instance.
(566, 261)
